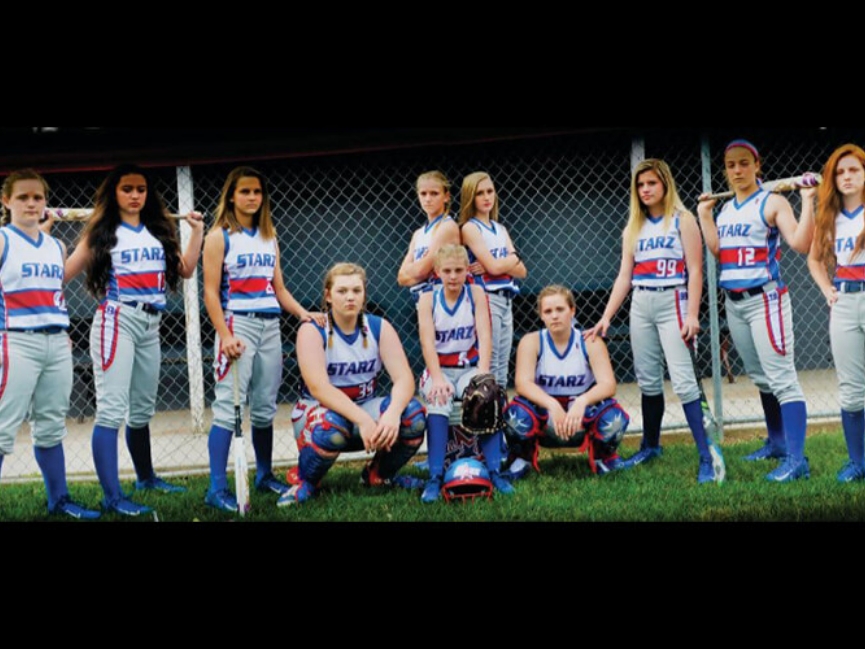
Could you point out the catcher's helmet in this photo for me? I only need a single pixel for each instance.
(467, 479)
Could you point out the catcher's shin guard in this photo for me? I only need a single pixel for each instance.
(606, 424)
(411, 431)
(325, 436)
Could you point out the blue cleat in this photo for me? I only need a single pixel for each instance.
(155, 483)
(706, 473)
(851, 472)
(223, 500)
(501, 484)
(789, 470)
(270, 482)
(643, 456)
(125, 507)
(432, 491)
(766, 452)
(299, 493)
(68, 507)
(608, 465)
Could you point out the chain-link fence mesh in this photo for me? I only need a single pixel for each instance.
(564, 201)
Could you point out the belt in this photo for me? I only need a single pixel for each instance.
(850, 287)
(257, 314)
(50, 331)
(659, 289)
(737, 296)
(504, 292)
(142, 306)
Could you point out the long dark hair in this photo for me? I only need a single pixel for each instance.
(101, 230)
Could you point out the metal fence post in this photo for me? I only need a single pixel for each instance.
(712, 290)
(186, 202)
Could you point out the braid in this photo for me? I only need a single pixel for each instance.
(329, 330)
(363, 329)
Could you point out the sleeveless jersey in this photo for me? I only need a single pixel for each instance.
(247, 273)
(496, 240)
(422, 242)
(31, 282)
(352, 367)
(137, 268)
(848, 227)
(659, 258)
(567, 375)
(456, 334)
(750, 249)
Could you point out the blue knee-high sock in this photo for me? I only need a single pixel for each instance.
(52, 463)
(491, 447)
(795, 418)
(653, 415)
(218, 445)
(774, 421)
(854, 434)
(1, 462)
(262, 442)
(437, 427)
(694, 415)
(104, 445)
(138, 443)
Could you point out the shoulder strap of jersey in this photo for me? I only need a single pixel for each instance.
(374, 323)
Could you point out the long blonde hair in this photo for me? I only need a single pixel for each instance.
(829, 205)
(467, 197)
(638, 214)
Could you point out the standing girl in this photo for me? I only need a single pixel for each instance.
(339, 409)
(454, 325)
(35, 351)
(494, 262)
(839, 240)
(662, 259)
(244, 294)
(131, 253)
(416, 271)
(746, 239)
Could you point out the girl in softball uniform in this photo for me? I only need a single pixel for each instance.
(244, 294)
(131, 253)
(35, 351)
(839, 240)
(494, 263)
(565, 387)
(416, 271)
(662, 259)
(454, 325)
(746, 238)
(339, 409)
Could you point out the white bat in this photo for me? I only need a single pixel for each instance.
(241, 470)
(81, 213)
(782, 185)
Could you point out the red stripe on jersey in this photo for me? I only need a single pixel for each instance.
(250, 285)
(645, 269)
(141, 280)
(457, 359)
(30, 299)
(358, 392)
(850, 273)
(749, 256)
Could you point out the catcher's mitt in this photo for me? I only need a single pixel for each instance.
(484, 403)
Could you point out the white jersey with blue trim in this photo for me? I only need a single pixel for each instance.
(31, 282)
(750, 249)
(848, 227)
(353, 360)
(495, 237)
(422, 242)
(137, 268)
(455, 330)
(247, 273)
(564, 375)
(659, 258)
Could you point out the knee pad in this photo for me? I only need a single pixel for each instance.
(326, 431)
(606, 424)
(412, 424)
(523, 420)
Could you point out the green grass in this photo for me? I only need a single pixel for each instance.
(663, 491)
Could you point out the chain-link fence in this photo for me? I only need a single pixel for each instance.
(564, 201)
